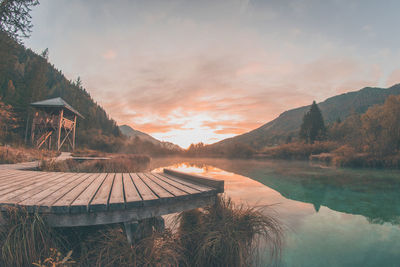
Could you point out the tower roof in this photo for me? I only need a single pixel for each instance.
(56, 102)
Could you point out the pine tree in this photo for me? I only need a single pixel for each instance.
(313, 126)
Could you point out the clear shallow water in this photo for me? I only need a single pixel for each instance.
(333, 217)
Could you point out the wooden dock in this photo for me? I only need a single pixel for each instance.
(82, 199)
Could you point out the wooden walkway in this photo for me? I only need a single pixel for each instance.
(78, 199)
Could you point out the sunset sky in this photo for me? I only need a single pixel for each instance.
(191, 71)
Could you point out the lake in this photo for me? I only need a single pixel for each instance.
(332, 217)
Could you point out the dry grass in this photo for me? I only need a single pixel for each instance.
(224, 234)
(227, 234)
(24, 238)
(298, 150)
(89, 153)
(11, 155)
(110, 248)
(120, 163)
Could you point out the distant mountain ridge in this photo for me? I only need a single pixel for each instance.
(288, 123)
(130, 132)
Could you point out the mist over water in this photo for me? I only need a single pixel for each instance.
(333, 217)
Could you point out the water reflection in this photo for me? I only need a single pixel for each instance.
(333, 217)
(371, 193)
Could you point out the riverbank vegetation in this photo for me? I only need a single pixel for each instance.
(11, 155)
(224, 234)
(116, 163)
(370, 139)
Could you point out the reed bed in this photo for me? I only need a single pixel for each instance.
(120, 163)
(224, 234)
(11, 155)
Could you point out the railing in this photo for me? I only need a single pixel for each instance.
(53, 121)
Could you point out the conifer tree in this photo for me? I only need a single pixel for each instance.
(313, 126)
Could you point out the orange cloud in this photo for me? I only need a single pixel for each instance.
(394, 78)
(109, 54)
(224, 95)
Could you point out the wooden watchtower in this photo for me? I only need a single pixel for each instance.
(54, 124)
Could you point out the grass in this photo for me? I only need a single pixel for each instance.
(24, 238)
(89, 153)
(119, 163)
(298, 150)
(11, 155)
(224, 234)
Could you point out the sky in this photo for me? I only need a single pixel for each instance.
(201, 71)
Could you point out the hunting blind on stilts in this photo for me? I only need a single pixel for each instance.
(54, 124)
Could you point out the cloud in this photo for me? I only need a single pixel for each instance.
(109, 54)
(223, 96)
(394, 78)
(157, 127)
(191, 71)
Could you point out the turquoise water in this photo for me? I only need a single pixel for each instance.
(332, 217)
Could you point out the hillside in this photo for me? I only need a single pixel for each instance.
(26, 77)
(288, 123)
(132, 133)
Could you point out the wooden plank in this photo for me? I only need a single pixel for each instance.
(81, 203)
(142, 188)
(100, 200)
(187, 183)
(132, 196)
(12, 179)
(215, 183)
(15, 175)
(133, 214)
(66, 179)
(48, 202)
(15, 191)
(158, 190)
(37, 189)
(24, 182)
(65, 201)
(185, 188)
(117, 200)
(6, 173)
(166, 186)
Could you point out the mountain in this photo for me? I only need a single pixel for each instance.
(132, 133)
(288, 123)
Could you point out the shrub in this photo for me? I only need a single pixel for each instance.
(120, 163)
(11, 155)
(226, 234)
(298, 150)
(111, 248)
(24, 238)
(223, 234)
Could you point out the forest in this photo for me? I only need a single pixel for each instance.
(26, 77)
(369, 139)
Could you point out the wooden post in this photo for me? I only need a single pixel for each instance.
(33, 129)
(26, 129)
(59, 129)
(130, 231)
(73, 134)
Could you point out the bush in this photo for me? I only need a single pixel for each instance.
(11, 155)
(226, 234)
(24, 238)
(223, 234)
(111, 248)
(298, 150)
(120, 163)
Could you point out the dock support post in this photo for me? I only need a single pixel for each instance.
(130, 231)
(136, 230)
